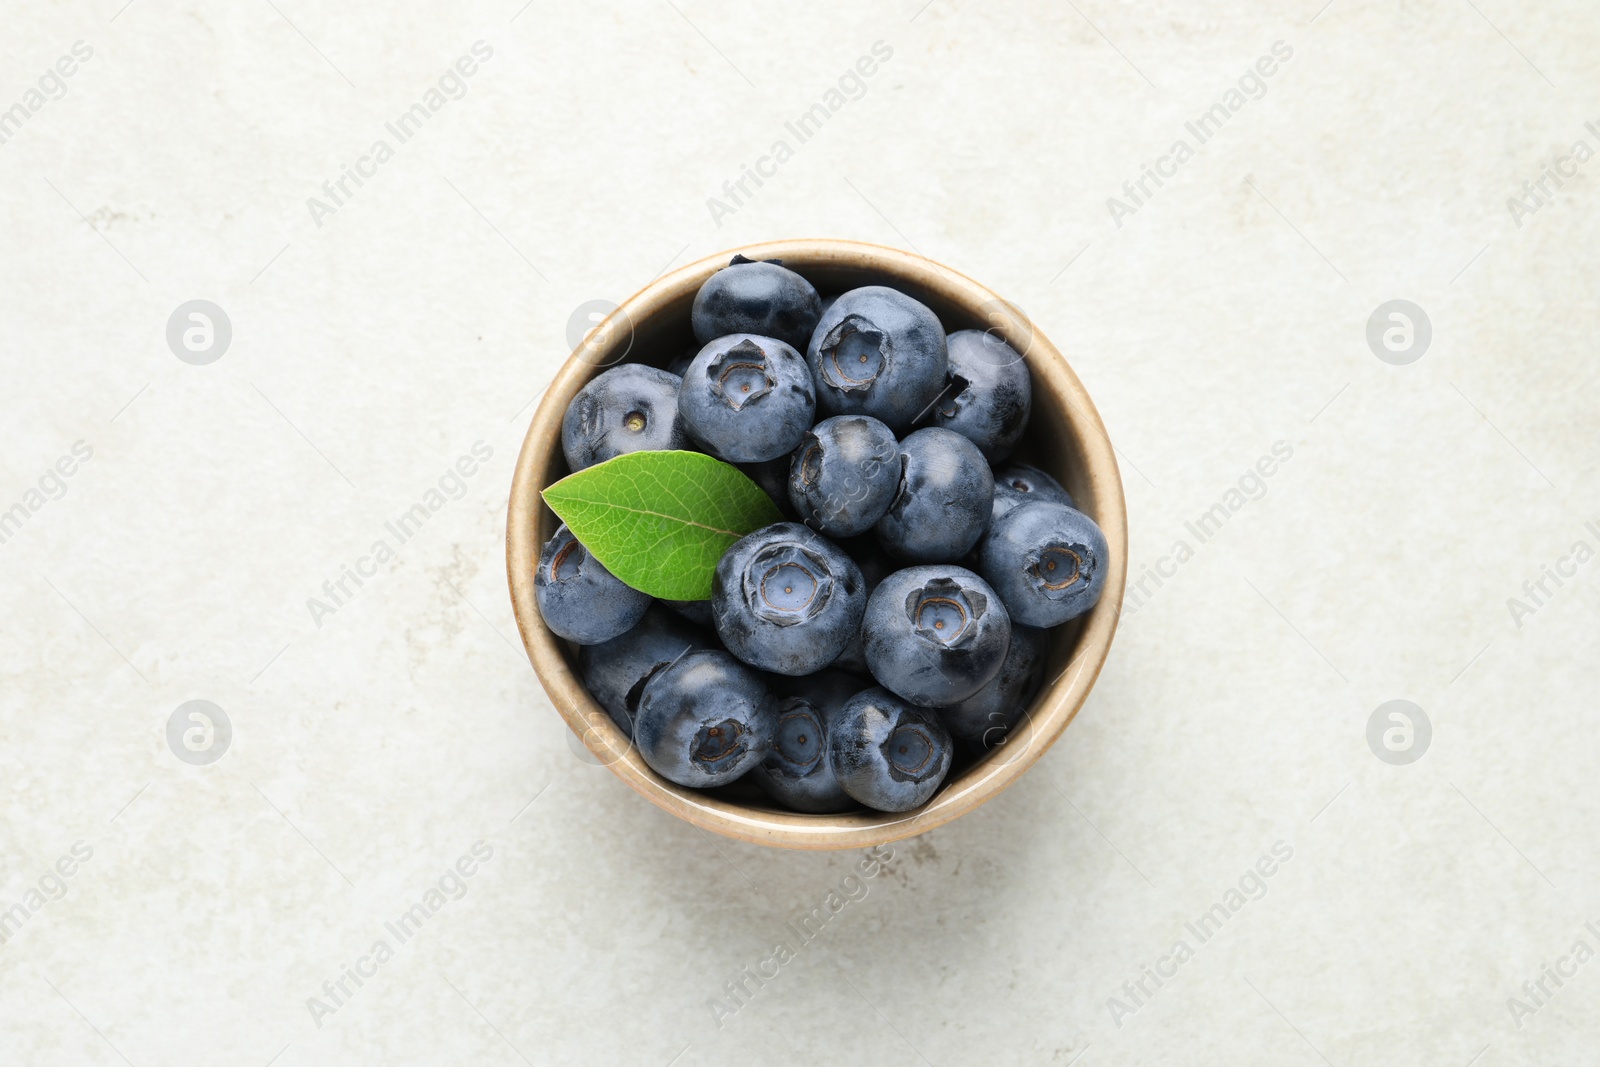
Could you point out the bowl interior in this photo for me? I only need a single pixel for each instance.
(1065, 438)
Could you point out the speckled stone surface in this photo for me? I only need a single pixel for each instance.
(400, 856)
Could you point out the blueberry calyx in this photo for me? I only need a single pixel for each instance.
(855, 353)
(798, 737)
(1059, 567)
(944, 613)
(954, 397)
(719, 743)
(591, 413)
(785, 584)
(568, 562)
(811, 461)
(740, 375)
(908, 752)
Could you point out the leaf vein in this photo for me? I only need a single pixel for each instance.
(613, 506)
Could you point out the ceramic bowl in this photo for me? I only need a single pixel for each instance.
(1065, 438)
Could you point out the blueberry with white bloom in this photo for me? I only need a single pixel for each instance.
(704, 720)
(944, 500)
(629, 408)
(786, 599)
(988, 393)
(749, 296)
(578, 598)
(747, 398)
(844, 474)
(935, 635)
(886, 753)
(878, 352)
(1047, 561)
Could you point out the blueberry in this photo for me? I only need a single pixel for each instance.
(935, 635)
(878, 352)
(988, 393)
(797, 772)
(1019, 482)
(983, 720)
(844, 474)
(578, 598)
(748, 398)
(787, 600)
(704, 720)
(943, 502)
(748, 296)
(887, 754)
(615, 672)
(1047, 561)
(629, 408)
(1031, 481)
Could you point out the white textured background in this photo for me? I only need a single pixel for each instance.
(369, 353)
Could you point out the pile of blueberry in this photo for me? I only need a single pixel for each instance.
(846, 658)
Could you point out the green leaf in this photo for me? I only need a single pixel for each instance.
(660, 521)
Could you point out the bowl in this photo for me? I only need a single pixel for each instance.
(1065, 438)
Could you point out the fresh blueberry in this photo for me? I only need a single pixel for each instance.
(797, 772)
(983, 720)
(787, 600)
(704, 720)
(878, 352)
(943, 502)
(1031, 481)
(988, 393)
(935, 635)
(578, 598)
(615, 672)
(1047, 561)
(886, 753)
(827, 302)
(844, 474)
(629, 408)
(764, 298)
(1020, 482)
(747, 398)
